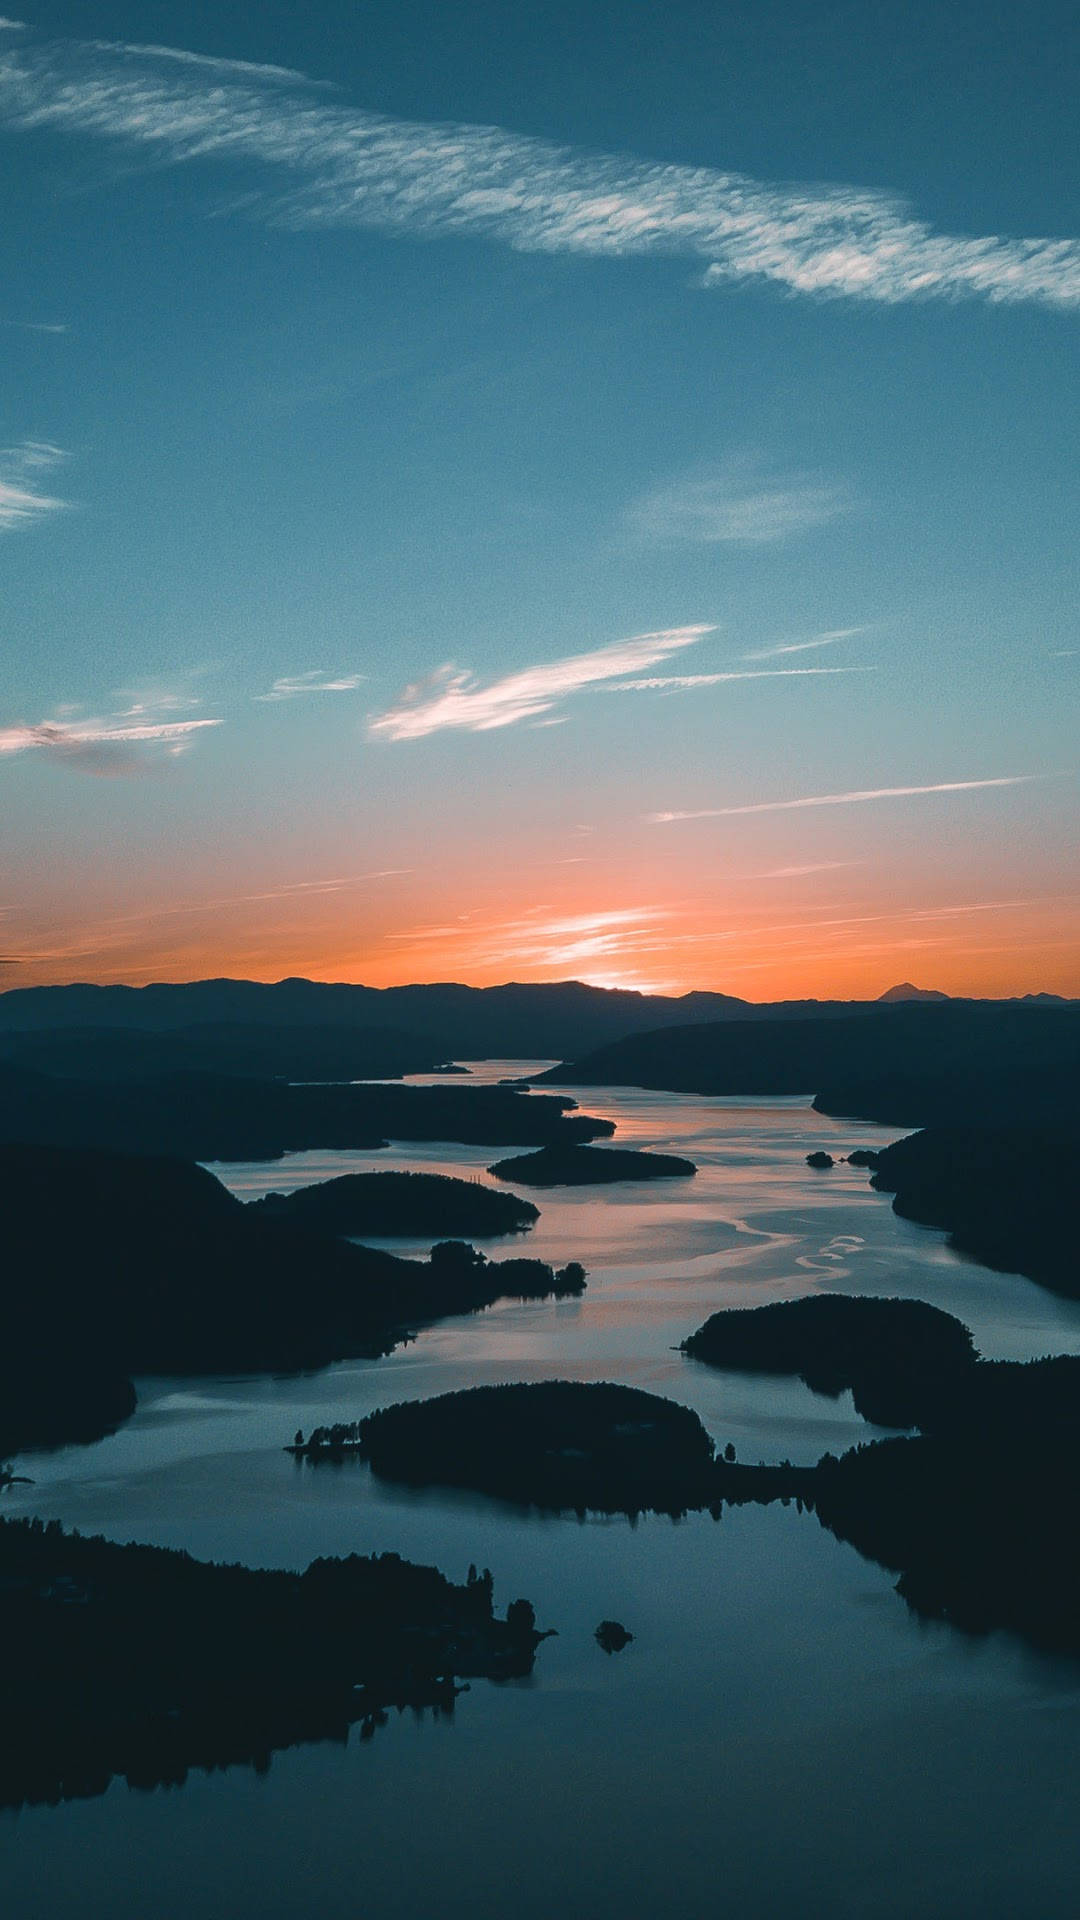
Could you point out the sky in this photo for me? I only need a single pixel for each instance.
(542, 491)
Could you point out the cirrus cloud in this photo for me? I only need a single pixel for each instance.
(21, 498)
(854, 798)
(292, 686)
(106, 747)
(451, 699)
(334, 165)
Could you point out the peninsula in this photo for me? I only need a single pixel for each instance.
(144, 1663)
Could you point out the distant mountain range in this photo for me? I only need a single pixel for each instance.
(562, 1020)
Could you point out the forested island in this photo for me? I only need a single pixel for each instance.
(572, 1166)
(126, 1264)
(564, 1445)
(411, 1204)
(144, 1663)
(202, 1116)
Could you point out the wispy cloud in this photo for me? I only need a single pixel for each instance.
(335, 166)
(736, 505)
(683, 682)
(21, 498)
(257, 70)
(807, 646)
(450, 698)
(292, 686)
(798, 873)
(36, 326)
(844, 799)
(107, 747)
(12, 26)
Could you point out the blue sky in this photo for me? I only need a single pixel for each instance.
(441, 439)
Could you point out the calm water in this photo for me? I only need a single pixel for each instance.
(782, 1737)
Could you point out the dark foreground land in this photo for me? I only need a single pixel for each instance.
(412, 1204)
(118, 1265)
(134, 1661)
(569, 1166)
(220, 1117)
(975, 1512)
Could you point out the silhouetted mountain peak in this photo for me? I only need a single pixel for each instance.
(905, 991)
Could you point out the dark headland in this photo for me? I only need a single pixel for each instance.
(1005, 1195)
(901, 1358)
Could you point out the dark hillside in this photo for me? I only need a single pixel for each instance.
(800, 1056)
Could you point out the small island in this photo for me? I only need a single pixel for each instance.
(571, 1166)
(611, 1636)
(144, 1663)
(411, 1204)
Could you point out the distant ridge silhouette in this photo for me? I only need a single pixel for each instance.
(905, 991)
(562, 1019)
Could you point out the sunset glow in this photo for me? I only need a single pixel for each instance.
(505, 556)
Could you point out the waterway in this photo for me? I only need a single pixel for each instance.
(782, 1737)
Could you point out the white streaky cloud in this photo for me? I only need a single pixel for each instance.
(106, 747)
(736, 506)
(206, 62)
(332, 165)
(293, 686)
(682, 682)
(845, 799)
(452, 699)
(21, 498)
(807, 646)
(36, 326)
(12, 26)
(798, 873)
